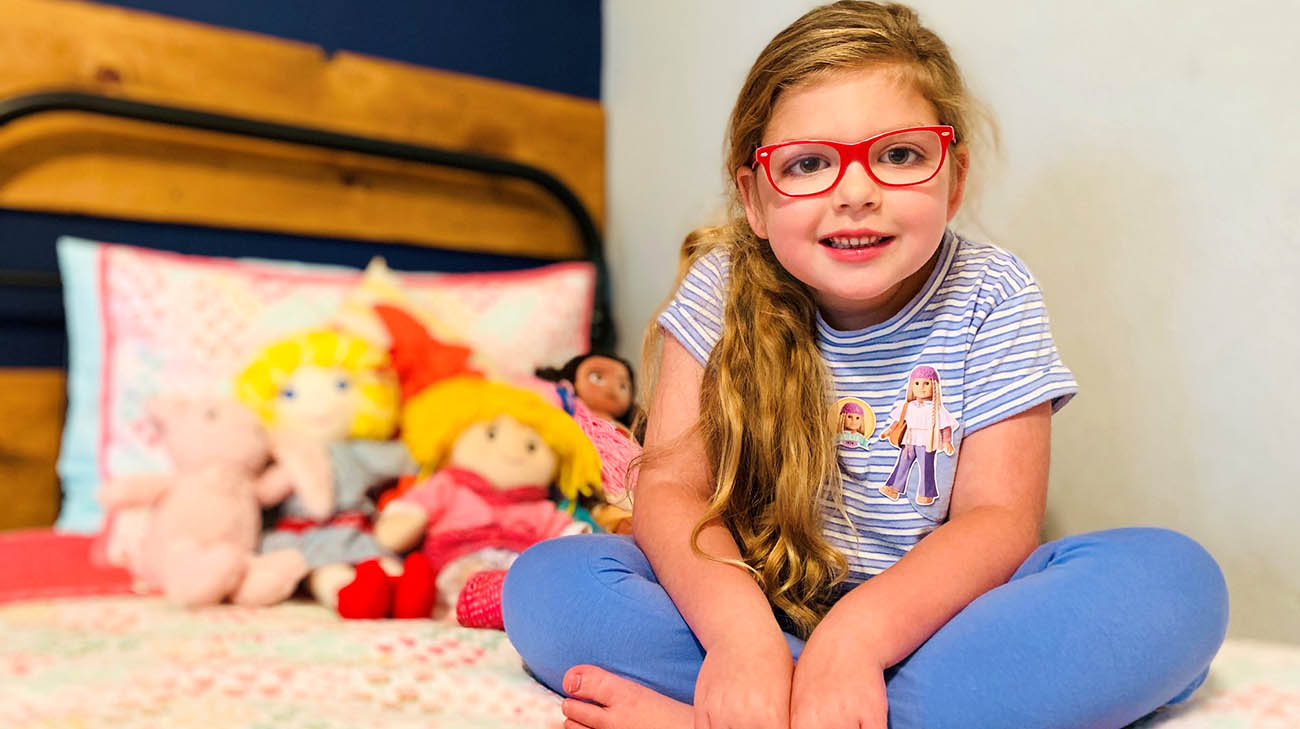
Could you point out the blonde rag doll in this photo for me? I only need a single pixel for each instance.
(333, 396)
(488, 453)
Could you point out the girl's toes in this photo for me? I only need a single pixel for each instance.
(580, 713)
(598, 685)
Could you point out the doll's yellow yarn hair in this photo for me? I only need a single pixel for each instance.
(433, 418)
(259, 384)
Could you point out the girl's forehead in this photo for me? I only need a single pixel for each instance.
(849, 105)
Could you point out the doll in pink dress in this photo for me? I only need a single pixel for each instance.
(489, 453)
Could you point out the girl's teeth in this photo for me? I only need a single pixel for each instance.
(856, 242)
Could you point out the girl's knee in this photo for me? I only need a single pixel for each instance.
(1180, 579)
(549, 571)
(552, 592)
(1180, 559)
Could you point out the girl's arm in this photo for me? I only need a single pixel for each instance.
(998, 498)
(721, 603)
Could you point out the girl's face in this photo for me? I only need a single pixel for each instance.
(320, 402)
(922, 389)
(862, 287)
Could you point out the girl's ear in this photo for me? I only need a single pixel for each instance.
(957, 188)
(747, 183)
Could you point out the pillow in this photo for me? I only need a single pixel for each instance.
(142, 322)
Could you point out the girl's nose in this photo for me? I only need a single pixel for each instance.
(856, 188)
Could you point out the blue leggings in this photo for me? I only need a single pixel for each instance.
(1093, 631)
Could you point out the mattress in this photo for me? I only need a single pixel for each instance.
(78, 649)
(139, 662)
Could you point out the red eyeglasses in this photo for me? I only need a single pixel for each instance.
(804, 168)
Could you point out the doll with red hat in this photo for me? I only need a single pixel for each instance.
(489, 454)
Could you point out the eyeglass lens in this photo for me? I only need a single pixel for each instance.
(903, 158)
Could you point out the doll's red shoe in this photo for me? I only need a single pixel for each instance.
(479, 604)
(416, 591)
(369, 595)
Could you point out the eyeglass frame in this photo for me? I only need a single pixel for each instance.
(851, 152)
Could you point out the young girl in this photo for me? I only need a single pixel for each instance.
(770, 583)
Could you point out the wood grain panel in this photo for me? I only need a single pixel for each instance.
(32, 401)
(75, 163)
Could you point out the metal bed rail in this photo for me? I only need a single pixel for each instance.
(602, 326)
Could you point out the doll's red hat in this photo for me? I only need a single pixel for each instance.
(419, 359)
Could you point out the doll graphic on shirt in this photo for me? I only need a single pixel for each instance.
(856, 423)
(919, 426)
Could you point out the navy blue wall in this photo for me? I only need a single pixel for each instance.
(552, 44)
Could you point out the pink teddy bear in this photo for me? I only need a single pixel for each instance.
(193, 533)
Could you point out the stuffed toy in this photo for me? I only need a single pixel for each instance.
(599, 391)
(198, 525)
(334, 394)
(379, 285)
(603, 382)
(489, 452)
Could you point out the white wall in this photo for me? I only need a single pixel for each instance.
(1149, 178)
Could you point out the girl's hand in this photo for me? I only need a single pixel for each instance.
(745, 684)
(838, 684)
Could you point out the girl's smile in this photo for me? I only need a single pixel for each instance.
(864, 249)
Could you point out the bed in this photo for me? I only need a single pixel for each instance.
(434, 171)
(177, 179)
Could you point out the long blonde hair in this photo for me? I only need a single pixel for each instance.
(436, 416)
(767, 415)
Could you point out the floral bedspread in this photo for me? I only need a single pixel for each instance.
(140, 662)
(1252, 685)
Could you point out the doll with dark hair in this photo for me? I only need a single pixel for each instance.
(599, 391)
(603, 381)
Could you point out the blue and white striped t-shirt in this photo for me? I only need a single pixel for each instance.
(977, 332)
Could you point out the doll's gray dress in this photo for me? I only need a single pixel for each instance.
(358, 466)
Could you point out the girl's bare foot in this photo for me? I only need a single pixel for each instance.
(605, 701)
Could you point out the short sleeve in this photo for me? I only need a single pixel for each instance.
(694, 315)
(1012, 364)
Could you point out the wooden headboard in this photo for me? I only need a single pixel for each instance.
(127, 169)
(95, 165)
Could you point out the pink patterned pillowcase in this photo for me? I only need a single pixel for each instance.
(143, 322)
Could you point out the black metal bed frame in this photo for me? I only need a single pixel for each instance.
(602, 326)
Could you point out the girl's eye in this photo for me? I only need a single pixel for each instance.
(901, 156)
(806, 165)
(288, 393)
(532, 446)
(491, 432)
(342, 384)
(622, 387)
(596, 378)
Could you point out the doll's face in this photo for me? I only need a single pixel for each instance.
(852, 421)
(506, 452)
(604, 385)
(320, 402)
(922, 389)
